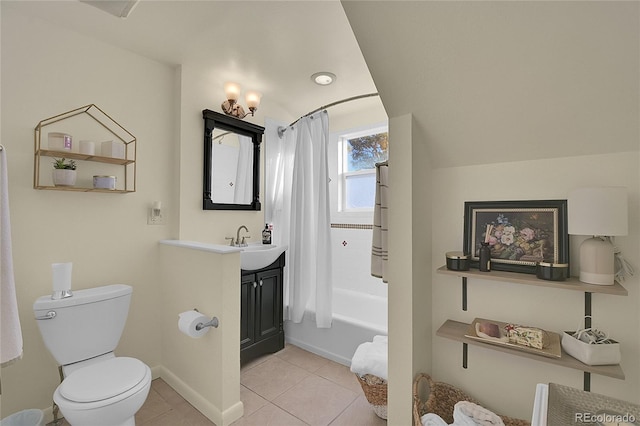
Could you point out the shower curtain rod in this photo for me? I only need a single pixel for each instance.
(221, 135)
(281, 130)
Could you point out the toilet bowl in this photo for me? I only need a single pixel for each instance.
(107, 393)
(81, 332)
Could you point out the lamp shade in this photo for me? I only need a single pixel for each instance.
(599, 211)
(231, 91)
(253, 99)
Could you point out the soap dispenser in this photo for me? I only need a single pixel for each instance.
(266, 234)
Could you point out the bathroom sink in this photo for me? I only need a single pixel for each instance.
(258, 256)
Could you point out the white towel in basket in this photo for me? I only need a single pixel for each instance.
(432, 419)
(371, 358)
(466, 413)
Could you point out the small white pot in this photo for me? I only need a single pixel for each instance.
(64, 177)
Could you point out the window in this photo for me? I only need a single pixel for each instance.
(357, 172)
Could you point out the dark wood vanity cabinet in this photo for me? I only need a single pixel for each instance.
(261, 316)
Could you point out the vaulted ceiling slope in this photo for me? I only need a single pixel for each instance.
(270, 46)
(498, 81)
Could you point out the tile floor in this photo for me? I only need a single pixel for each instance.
(292, 387)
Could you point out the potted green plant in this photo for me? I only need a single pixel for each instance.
(64, 172)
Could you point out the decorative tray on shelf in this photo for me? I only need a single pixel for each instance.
(552, 350)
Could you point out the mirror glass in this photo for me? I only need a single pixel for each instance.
(231, 168)
(231, 163)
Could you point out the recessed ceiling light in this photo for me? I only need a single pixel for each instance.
(323, 78)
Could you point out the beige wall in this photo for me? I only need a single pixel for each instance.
(506, 383)
(485, 85)
(47, 71)
(409, 289)
(206, 370)
(201, 90)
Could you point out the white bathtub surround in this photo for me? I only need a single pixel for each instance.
(379, 246)
(357, 318)
(298, 207)
(11, 345)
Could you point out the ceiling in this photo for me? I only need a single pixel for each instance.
(501, 81)
(272, 47)
(486, 82)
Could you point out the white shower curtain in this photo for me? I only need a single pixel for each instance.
(298, 207)
(244, 172)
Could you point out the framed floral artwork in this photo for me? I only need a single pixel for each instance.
(519, 233)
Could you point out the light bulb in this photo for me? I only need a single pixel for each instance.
(231, 91)
(253, 100)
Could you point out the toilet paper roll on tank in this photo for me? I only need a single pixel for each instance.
(188, 323)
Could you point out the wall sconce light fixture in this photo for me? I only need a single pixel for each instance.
(231, 106)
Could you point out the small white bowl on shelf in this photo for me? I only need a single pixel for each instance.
(589, 353)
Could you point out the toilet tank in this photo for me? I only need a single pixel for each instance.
(85, 325)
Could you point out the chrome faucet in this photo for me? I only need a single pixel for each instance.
(243, 243)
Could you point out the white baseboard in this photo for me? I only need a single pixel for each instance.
(210, 411)
(318, 351)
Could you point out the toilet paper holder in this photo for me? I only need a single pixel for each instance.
(213, 323)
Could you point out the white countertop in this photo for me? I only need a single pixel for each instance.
(196, 245)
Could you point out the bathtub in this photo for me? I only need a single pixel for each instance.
(357, 317)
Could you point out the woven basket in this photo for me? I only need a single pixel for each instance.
(375, 390)
(565, 402)
(440, 399)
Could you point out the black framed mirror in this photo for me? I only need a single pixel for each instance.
(231, 174)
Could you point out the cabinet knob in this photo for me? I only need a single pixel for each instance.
(255, 284)
(260, 283)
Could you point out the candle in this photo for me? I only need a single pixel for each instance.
(61, 276)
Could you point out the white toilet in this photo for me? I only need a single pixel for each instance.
(81, 332)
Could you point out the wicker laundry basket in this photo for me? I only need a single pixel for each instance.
(375, 390)
(439, 398)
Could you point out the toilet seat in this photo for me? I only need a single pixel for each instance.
(115, 376)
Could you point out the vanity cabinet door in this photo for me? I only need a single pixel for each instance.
(261, 311)
(247, 310)
(269, 299)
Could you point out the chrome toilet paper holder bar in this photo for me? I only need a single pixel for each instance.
(213, 323)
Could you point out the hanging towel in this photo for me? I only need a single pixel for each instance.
(10, 331)
(379, 250)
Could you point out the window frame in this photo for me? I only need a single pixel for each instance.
(343, 174)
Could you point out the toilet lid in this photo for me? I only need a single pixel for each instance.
(103, 380)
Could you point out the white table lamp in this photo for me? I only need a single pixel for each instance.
(600, 212)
